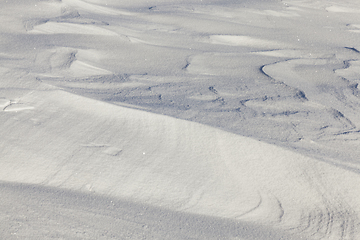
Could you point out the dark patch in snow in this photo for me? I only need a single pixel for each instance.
(212, 89)
(353, 49)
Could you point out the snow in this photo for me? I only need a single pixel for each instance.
(182, 120)
(69, 28)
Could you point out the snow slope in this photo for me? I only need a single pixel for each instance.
(242, 116)
(61, 140)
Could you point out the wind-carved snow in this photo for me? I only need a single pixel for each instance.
(246, 118)
(4, 103)
(95, 8)
(342, 9)
(245, 41)
(70, 28)
(17, 107)
(197, 172)
(68, 62)
(351, 72)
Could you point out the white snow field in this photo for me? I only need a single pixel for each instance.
(182, 119)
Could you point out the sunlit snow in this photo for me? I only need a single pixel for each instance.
(183, 119)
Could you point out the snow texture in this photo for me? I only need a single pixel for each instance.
(186, 119)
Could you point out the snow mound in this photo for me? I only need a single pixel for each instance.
(91, 146)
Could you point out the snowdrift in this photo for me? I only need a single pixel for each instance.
(62, 140)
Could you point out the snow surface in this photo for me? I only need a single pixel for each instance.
(184, 119)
